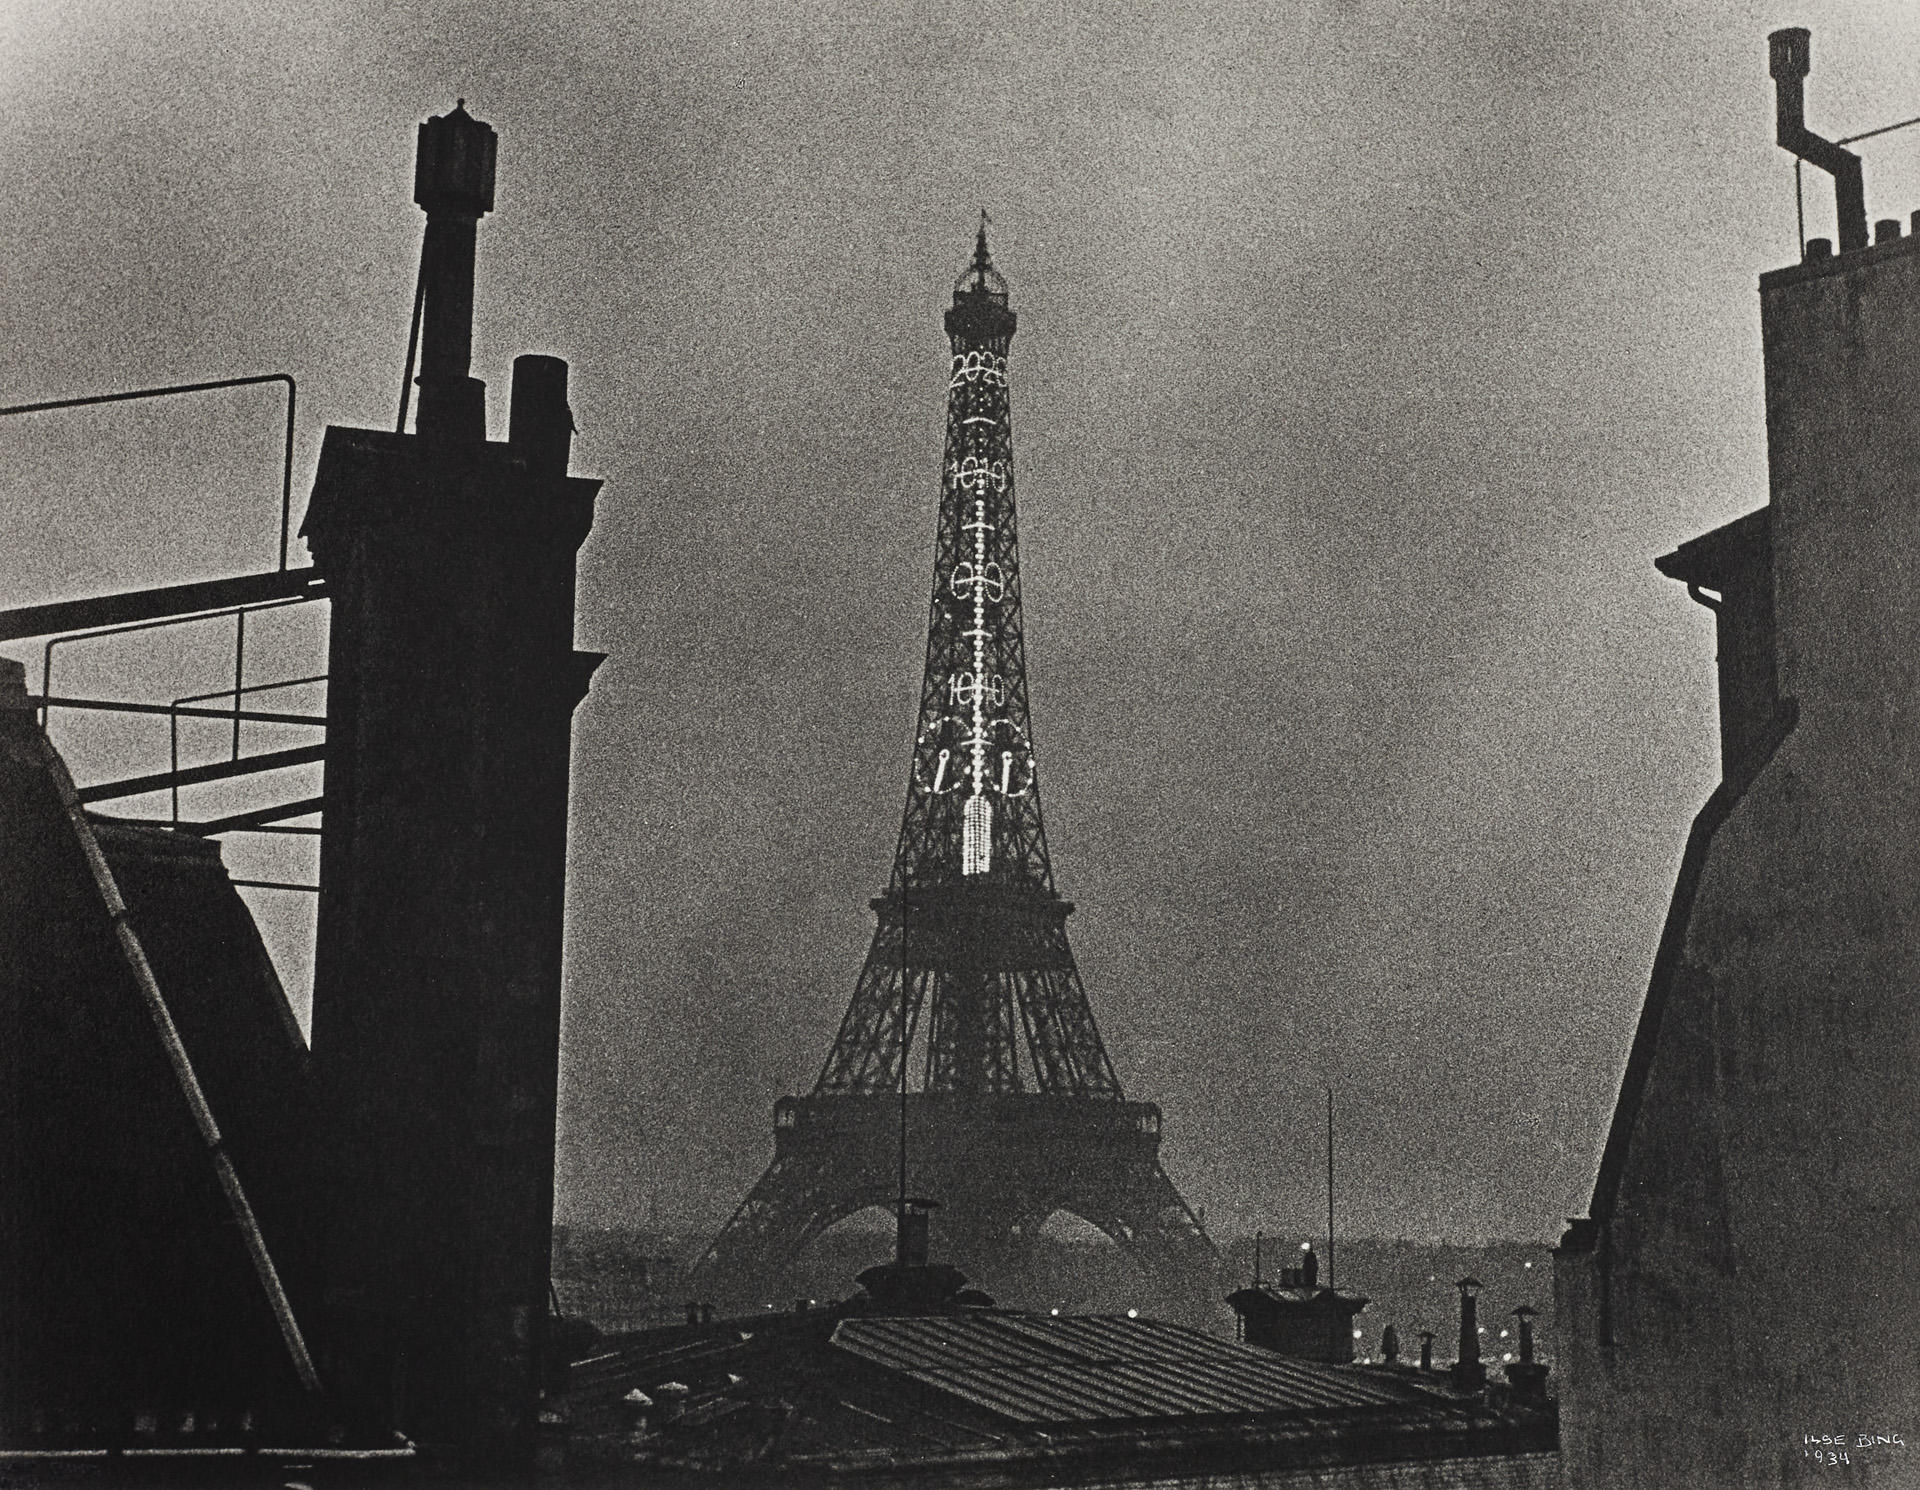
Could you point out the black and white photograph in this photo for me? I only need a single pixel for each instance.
(960, 744)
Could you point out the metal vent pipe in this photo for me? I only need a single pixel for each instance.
(1790, 59)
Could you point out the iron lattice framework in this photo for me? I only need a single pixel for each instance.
(1017, 1112)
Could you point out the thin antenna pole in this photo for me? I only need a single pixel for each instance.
(1329, 1187)
(1799, 208)
(1884, 129)
(413, 343)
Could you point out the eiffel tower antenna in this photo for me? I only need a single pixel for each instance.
(1018, 1112)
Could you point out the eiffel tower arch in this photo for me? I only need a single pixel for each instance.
(969, 1015)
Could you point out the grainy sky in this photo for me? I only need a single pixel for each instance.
(1369, 352)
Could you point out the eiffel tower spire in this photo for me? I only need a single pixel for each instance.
(970, 952)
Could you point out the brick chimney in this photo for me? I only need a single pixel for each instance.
(453, 679)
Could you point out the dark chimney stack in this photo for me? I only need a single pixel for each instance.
(910, 1247)
(539, 423)
(453, 184)
(1468, 1372)
(911, 1284)
(1426, 1350)
(1790, 59)
(1526, 1375)
(452, 681)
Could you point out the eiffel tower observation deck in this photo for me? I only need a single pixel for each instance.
(1012, 1109)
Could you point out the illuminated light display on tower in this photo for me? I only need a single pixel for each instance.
(1013, 1108)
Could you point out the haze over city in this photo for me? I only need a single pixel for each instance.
(1368, 354)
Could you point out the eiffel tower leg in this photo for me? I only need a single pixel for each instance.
(828, 1164)
(793, 1202)
(1146, 1216)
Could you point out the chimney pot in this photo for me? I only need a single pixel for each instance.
(911, 1240)
(1818, 249)
(1789, 59)
(1790, 53)
(453, 165)
(1886, 230)
(539, 423)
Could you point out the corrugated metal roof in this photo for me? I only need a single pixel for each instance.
(1039, 1369)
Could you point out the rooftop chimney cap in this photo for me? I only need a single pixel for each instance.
(453, 165)
(1790, 52)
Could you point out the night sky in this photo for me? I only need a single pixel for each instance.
(1368, 354)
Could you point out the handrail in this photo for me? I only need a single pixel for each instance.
(139, 786)
(286, 477)
(127, 706)
(46, 653)
(173, 712)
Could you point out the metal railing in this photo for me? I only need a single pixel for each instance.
(286, 474)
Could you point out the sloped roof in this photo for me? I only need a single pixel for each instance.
(126, 1287)
(1036, 1369)
(1732, 549)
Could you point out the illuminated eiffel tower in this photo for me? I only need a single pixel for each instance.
(1013, 1110)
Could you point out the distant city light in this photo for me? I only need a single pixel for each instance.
(1507, 1357)
(1055, 1313)
(1526, 1264)
(1356, 1334)
(1133, 1314)
(1503, 1334)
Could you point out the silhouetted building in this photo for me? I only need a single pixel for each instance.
(1298, 1316)
(1746, 1273)
(207, 1237)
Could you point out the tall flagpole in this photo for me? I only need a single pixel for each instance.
(1329, 1187)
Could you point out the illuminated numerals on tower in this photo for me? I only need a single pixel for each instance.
(977, 475)
(978, 367)
(965, 688)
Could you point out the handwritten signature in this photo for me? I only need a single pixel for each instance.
(1839, 1448)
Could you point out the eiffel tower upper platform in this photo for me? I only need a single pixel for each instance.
(1012, 1108)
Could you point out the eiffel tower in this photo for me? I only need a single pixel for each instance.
(1014, 1111)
